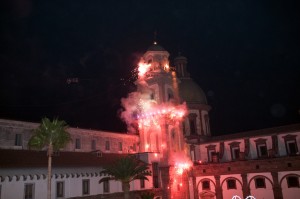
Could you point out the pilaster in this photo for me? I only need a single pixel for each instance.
(219, 192)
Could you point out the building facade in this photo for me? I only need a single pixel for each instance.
(168, 127)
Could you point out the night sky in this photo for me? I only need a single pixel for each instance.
(245, 55)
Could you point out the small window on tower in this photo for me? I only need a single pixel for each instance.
(152, 96)
(170, 95)
(192, 127)
(183, 128)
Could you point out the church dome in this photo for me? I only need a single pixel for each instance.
(190, 92)
(156, 47)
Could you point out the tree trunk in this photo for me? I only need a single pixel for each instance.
(50, 152)
(126, 189)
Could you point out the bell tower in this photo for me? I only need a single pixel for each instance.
(160, 112)
(159, 115)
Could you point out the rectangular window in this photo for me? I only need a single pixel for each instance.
(142, 181)
(260, 183)
(155, 174)
(77, 143)
(106, 186)
(85, 187)
(152, 96)
(192, 127)
(120, 146)
(183, 128)
(60, 189)
(93, 145)
(231, 184)
(262, 151)
(107, 145)
(211, 152)
(205, 185)
(235, 153)
(292, 181)
(28, 192)
(292, 147)
(18, 140)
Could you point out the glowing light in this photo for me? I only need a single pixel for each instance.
(155, 154)
(179, 171)
(147, 146)
(143, 69)
(180, 167)
(167, 67)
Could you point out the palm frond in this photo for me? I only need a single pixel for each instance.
(127, 169)
(50, 132)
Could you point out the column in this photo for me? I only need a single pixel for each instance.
(196, 194)
(276, 186)
(245, 187)
(219, 192)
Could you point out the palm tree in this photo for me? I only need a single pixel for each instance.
(126, 169)
(53, 136)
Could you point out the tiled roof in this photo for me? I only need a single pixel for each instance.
(10, 158)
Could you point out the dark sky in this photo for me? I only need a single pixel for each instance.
(244, 54)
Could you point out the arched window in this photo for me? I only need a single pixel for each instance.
(193, 124)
